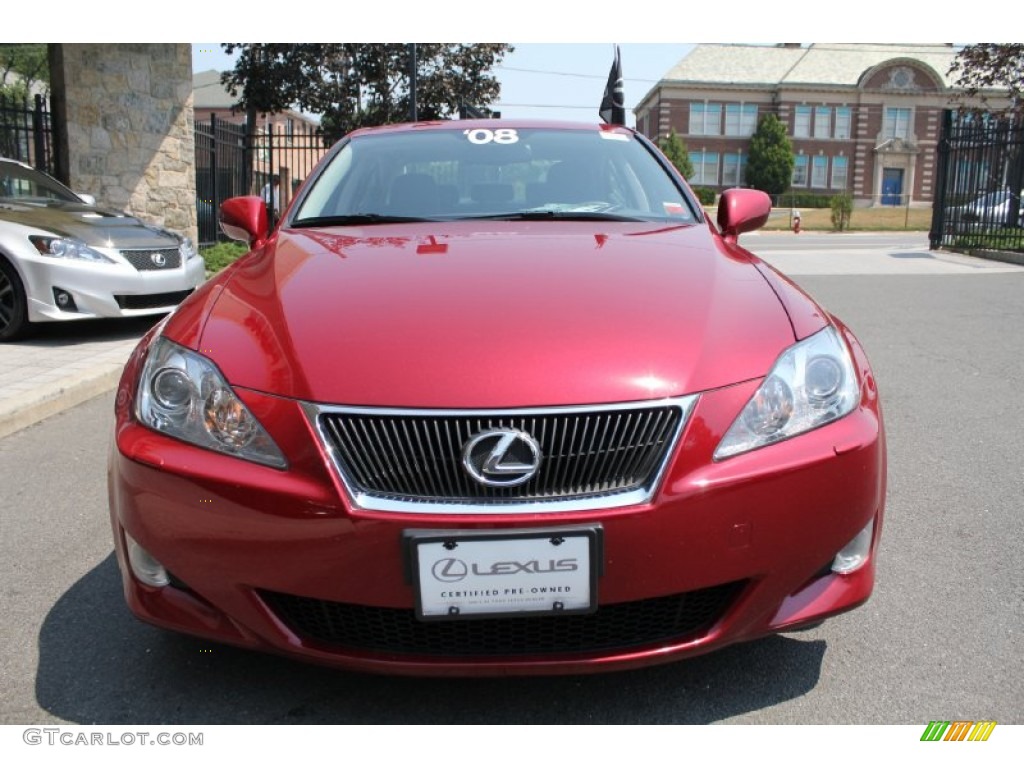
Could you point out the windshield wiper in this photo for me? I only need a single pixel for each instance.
(560, 215)
(355, 219)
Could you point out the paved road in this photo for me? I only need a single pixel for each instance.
(864, 254)
(941, 639)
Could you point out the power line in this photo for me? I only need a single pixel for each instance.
(573, 74)
(547, 106)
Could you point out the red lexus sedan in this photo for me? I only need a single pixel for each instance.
(496, 398)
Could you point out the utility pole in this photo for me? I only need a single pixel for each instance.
(412, 83)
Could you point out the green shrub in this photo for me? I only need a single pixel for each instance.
(804, 200)
(220, 255)
(706, 195)
(842, 208)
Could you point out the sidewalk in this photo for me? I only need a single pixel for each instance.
(63, 365)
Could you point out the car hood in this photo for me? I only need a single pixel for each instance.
(91, 224)
(494, 314)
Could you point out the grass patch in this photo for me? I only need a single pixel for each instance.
(880, 219)
(220, 255)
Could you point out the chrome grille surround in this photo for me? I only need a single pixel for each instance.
(410, 460)
(142, 258)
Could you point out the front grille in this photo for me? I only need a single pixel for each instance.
(675, 618)
(586, 453)
(151, 300)
(146, 259)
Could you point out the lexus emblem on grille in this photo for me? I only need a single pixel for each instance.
(158, 259)
(501, 457)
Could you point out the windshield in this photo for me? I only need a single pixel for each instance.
(500, 172)
(28, 185)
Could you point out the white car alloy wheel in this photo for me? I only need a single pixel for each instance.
(13, 313)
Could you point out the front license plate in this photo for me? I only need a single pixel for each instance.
(469, 574)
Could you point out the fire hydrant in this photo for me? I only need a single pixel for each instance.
(796, 222)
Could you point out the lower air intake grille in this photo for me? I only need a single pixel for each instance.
(152, 300)
(394, 630)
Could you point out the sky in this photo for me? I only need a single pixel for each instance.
(556, 81)
(559, 73)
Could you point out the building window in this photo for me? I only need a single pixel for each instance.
(800, 171)
(705, 119)
(897, 123)
(740, 119)
(843, 121)
(705, 168)
(734, 169)
(839, 166)
(823, 122)
(819, 171)
(802, 122)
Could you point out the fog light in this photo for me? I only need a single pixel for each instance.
(64, 300)
(855, 554)
(146, 568)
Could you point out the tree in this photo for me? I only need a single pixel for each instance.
(991, 66)
(674, 149)
(770, 162)
(842, 209)
(23, 66)
(360, 84)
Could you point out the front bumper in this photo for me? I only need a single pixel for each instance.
(254, 552)
(104, 290)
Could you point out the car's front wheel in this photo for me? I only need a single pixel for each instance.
(13, 308)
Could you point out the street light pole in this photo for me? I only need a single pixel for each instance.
(412, 83)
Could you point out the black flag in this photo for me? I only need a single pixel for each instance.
(613, 105)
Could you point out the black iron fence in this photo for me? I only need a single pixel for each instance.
(25, 131)
(979, 183)
(270, 160)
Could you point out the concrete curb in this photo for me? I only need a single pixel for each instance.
(25, 410)
(1010, 257)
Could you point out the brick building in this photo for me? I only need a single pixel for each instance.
(863, 118)
(286, 143)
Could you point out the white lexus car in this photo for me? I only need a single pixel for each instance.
(64, 258)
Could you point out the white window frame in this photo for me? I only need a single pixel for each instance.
(800, 163)
(740, 119)
(840, 172)
(699, 160)
(897, 122)
(844, 122)
(819, 172)
(823, 122)
(702, 125)
(734, 169)
(802, 121)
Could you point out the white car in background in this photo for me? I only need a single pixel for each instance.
(990, 208)
(62, 257)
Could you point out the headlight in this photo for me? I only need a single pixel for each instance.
(187, 249)
(182, 394)
(811, 384)
(66, 248)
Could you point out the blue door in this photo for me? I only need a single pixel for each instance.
(892, 186)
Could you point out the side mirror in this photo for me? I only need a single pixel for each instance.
(245, 219)
(742, 210)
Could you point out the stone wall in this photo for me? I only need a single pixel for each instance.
(129, 131)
